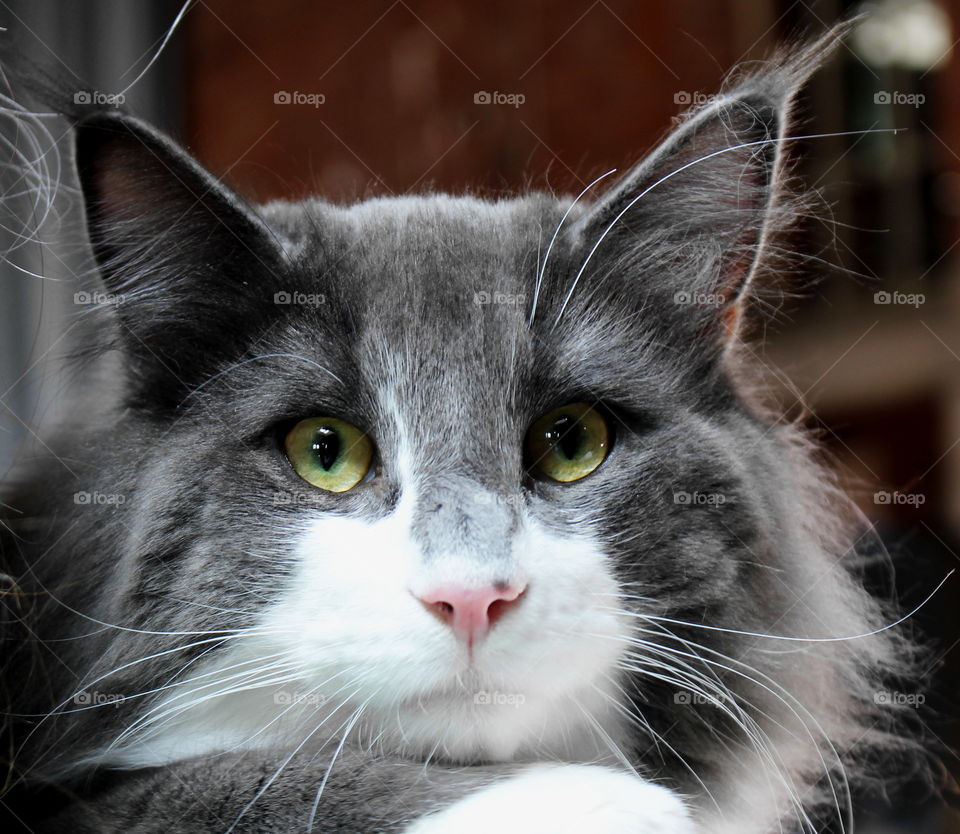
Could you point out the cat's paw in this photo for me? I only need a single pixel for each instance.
(563, 799)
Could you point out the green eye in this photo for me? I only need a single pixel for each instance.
(329, 453)
(568, 443)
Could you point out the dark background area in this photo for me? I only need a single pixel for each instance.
(385, 98)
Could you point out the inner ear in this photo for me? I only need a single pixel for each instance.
(194, 267)
(138, 182)
(713, 176)
(695, 213)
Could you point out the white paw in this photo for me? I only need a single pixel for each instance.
(563, 799)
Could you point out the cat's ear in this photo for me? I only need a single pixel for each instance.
(184, 259)
(691, 220)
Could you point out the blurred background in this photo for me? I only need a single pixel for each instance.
(354, 99)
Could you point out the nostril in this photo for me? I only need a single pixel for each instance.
(497, 609)
(500, 606)
(444, 610)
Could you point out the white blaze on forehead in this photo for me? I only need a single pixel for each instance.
(403, 463)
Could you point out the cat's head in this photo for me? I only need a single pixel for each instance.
(470, 474)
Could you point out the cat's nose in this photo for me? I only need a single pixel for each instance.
(472, 612)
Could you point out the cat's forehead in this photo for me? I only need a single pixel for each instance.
(424, 244)
(435, 272)
(429, 297)
(451, 294)
(424, 218)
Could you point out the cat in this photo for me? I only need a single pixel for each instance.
(438, 514)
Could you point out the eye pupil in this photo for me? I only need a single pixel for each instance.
(566, 436)
(326, 446)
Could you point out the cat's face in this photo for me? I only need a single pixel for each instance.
(458, 600)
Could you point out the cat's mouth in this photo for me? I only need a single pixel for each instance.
(477, 719)
(471, 691)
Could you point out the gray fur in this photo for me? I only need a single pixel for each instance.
(210, 364)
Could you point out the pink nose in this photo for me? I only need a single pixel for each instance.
(469, 611)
